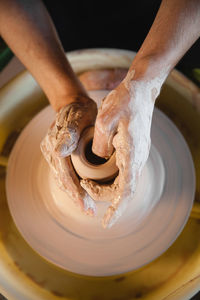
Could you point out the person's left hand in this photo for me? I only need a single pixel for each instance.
(123, 122)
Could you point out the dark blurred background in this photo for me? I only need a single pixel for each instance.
(124, 25)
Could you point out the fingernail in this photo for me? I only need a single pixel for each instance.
(65, 150)
(62, 150)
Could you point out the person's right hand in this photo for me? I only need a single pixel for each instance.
(61, 140)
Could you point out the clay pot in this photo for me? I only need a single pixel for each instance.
(90, 166)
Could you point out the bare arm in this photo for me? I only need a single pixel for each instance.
(175, 28)
(27, 28)
(124, 119)
(30, 33)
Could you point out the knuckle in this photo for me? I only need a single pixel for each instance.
(103, 121)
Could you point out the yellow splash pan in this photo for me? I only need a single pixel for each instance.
(24, 275)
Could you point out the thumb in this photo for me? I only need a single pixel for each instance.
(70, 122)
(104, 131)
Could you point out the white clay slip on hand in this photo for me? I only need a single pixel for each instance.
(56, 229)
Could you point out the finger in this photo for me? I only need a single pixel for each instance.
(46, 147)
(67, 142)
(70, 123)
(69, 182)
(99, 192)
(66, 178)
(120, 203)
(125, 180)
(67, 129)
(89, 205)
(105, 127)
(104, 193)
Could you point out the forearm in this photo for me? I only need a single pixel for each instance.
(175, 28)
(28, 30)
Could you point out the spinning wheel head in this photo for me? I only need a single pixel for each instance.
(54, 227)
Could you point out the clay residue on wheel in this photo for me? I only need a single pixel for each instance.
(106, 79)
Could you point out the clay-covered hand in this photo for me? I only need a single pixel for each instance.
(61, 140)
(123, 122)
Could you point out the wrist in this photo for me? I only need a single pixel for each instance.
(149, 68)
(66, 92)
(144, 79)
(60, 101)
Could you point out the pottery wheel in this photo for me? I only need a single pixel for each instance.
(51, 223)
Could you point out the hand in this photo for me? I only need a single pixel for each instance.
(123, 122)
(61, 140)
